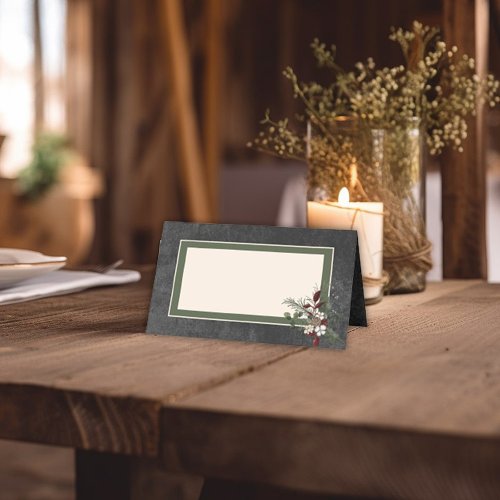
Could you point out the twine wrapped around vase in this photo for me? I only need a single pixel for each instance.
(407, 251)
(382, 281)
(404, 269)
(420, 258)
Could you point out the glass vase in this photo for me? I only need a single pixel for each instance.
(336, 199)
(376, 165)
(398, 160)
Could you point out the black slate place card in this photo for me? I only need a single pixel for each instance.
(257, 283)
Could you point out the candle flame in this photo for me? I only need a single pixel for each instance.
(344, 196)
(354, 175)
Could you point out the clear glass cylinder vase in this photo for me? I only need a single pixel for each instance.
(336, 198)
(376, 166)
(398, 159)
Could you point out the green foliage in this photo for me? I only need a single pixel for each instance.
(310, 314)
(50, 152)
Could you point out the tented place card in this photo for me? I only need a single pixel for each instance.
(256, 283)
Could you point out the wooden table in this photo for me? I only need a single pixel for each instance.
(411, 409)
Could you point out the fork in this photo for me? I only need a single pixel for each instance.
(106, 268)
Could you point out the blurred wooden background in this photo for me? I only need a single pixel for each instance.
(163, 95)
(162, 146)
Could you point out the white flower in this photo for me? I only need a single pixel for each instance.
(320, 330)
(315, 326)
(308, 329)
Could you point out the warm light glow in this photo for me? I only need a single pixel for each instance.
(354, 175)
(344, 196)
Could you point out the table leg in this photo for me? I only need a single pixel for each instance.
(219, 489)
(107, 476)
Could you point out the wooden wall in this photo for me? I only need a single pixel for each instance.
(124, 89)
(466, 24)
(128, 132)
(266, 36)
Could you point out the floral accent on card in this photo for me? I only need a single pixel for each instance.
(312, 315)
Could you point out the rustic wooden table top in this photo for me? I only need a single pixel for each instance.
(411, 408)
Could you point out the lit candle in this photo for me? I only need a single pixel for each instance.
(367, 218)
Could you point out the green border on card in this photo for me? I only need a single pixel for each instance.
(184, 245)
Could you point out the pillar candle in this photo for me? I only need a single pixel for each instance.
(367, 218)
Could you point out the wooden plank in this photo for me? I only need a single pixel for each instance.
(38, 413)
(212, 93)
(335, 459)
(423, 385)
(192, 171)
(400, 303)
(76, 371)
(287, 48)
(78, 76)
(464, 174)
(127, 104)
(156, 193)
(132, 129)
(100, 124)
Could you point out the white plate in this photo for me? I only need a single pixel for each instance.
(18, 265)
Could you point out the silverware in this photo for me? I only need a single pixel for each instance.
(107, 268)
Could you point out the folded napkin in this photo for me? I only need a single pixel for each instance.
(63, 282)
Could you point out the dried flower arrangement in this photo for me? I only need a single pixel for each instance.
(432, 94)
(389, 97)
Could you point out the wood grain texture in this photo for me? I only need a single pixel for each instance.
(332, 458)
(193, 173)
(212, 96)
(466, 25)
(124, 109)
(410, 409)
(76, 371)
(78, 419)
(78, 75)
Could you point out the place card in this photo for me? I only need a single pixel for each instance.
(257, 283)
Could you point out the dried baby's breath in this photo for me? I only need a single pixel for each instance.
(437, 85)
(389, 110)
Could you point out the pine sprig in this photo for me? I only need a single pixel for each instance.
(313, 314)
